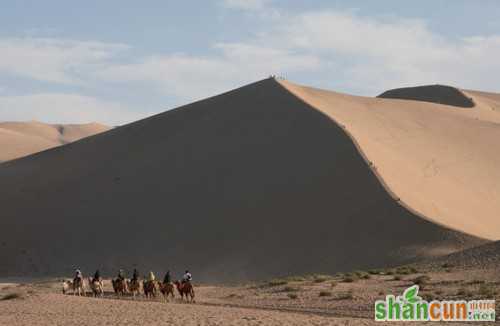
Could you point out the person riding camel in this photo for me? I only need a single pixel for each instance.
(187, 277)
(135, 276)
(151, 277)
(78, 275)
(97, 276)
(167, 279)
(121, 275)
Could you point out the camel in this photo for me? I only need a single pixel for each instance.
(67, 286)
(134, 286)
(97, 287)
(119, 286)
(78, 286)
(185, 289)
(166, 289)
(150, 288)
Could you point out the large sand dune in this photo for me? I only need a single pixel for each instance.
(253, 183)
(18, 139)
(440, 160)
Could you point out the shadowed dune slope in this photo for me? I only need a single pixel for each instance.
(252, 183)
(18, 139)
(483, 256)
(440, 94)
(440, 160)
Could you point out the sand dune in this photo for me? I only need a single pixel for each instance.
(248, 184)
(440, 94)
(18, 139)
(440, 160)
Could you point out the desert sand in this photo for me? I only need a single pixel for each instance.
(256, 183)
(440, 160)
(342, 299)
(18, 139)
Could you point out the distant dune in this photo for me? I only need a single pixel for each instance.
(439, 94)
(254, 183)
(18, 139)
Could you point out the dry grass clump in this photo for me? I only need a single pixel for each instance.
(12, 296)
(349, 295)
(487, 290)
(421, 280)
(275, 282)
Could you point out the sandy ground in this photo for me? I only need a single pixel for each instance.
(306, 300)
(18, 139)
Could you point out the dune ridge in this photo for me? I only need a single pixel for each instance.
(18, 139)
(249, 184)
(437, 159)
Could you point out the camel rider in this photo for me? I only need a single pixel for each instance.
(135, 276)
(121, 275)
(187, 277)
(78, 275)
(167, 279)
(151, 277)
(97, 276)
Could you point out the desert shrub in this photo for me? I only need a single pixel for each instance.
(325, 294)
(366, 277)
(421, 280)
(446, 265)
(349, 295)
(427, 297)
(349, 279)
(390, 272)
(486, 290)
(293, 296)
(295, 279)
(375, 272)
(334, 284)
(403, 270)
(290, 289)
(397, 278)
(476, 282)
(12, 296)
(359, 273)
(464, 292)
(320, 279)
(277, 282)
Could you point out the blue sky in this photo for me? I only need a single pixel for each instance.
(118, 61)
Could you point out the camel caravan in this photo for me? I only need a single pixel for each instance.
(134, 287)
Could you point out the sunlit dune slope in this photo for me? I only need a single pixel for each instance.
(440, 160)
(18, 139)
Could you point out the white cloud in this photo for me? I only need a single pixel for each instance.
(64, 108)
(245, 4)
(190, 77)
(53, 60)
